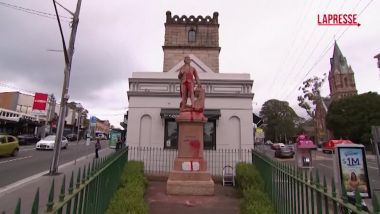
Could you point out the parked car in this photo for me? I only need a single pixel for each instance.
(101, 136)
(329, 146)
(25, 139)
(47, 143)
(71, 137)
(284, 152)
(8, 145)
(268, 142)
(276, 146)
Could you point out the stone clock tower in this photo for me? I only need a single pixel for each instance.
(198, 36)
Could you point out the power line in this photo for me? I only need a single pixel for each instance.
(4, 85)
(296, 62)
(31, 11)
(327, 49)
(295, 34)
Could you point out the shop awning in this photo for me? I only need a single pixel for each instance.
(172, 113)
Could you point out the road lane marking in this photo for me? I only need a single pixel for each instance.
(321, 164)
(371, 167)
(18, 184)
(23, 150)
(7, 161)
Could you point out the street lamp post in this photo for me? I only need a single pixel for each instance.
(68, 53)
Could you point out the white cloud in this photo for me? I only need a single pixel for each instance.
(277, 42)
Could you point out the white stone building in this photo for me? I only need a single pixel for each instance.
(154, 97)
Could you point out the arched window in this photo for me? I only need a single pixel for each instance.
(191, 35)
(345, 82)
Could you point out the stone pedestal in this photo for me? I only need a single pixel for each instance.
(189, 175)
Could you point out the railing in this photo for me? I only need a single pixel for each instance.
(298, 192)
(159, 161)
(90, 193)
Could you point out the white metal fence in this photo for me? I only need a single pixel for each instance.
(159, 161)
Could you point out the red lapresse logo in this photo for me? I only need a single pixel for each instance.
(40, 100)
(338, 19)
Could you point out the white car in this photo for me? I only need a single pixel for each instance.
(48, 143)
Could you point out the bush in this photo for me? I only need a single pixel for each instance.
(247, 175)
(129, 198)
(256, 201)
(251, 186)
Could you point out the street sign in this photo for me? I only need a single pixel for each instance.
(92, 119)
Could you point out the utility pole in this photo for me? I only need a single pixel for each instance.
(68, 53)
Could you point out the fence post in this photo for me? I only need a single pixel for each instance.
(84, 174)
(319, 196)
(63, 189)
(358, 201)
(326, 202)
(333, 188)
(71, 185)
(312, 193)
(375, 204)
(36, 202)
(344, 197)
(18, 207)
(50, 203)
(307, 192)
(78, 178)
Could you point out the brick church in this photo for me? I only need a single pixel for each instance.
(342, 84)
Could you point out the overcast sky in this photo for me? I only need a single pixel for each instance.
(278, 42)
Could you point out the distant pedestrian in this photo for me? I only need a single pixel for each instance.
(118, 144)
(97, 147)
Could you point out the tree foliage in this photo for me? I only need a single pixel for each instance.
(279, 119)
(352, 117)
(311, 90)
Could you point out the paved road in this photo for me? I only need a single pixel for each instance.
(30, 161)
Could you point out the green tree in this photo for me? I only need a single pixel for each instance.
(352, 117)
(279, 119)
(311, 91)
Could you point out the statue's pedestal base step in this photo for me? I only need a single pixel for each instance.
(181, 187)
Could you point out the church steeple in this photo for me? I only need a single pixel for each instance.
(338, 62)
(341, 76)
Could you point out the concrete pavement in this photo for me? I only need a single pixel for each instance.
(225, 201)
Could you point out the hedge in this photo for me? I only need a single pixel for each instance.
(129, 198)
(251, 187)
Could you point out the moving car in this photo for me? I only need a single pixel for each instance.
(276, 146)
(71, 137)
(284, 152)
(330, 145)
(101, 136)
(25, 139)
(8, 145)
(268, 142)
(47, 143)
